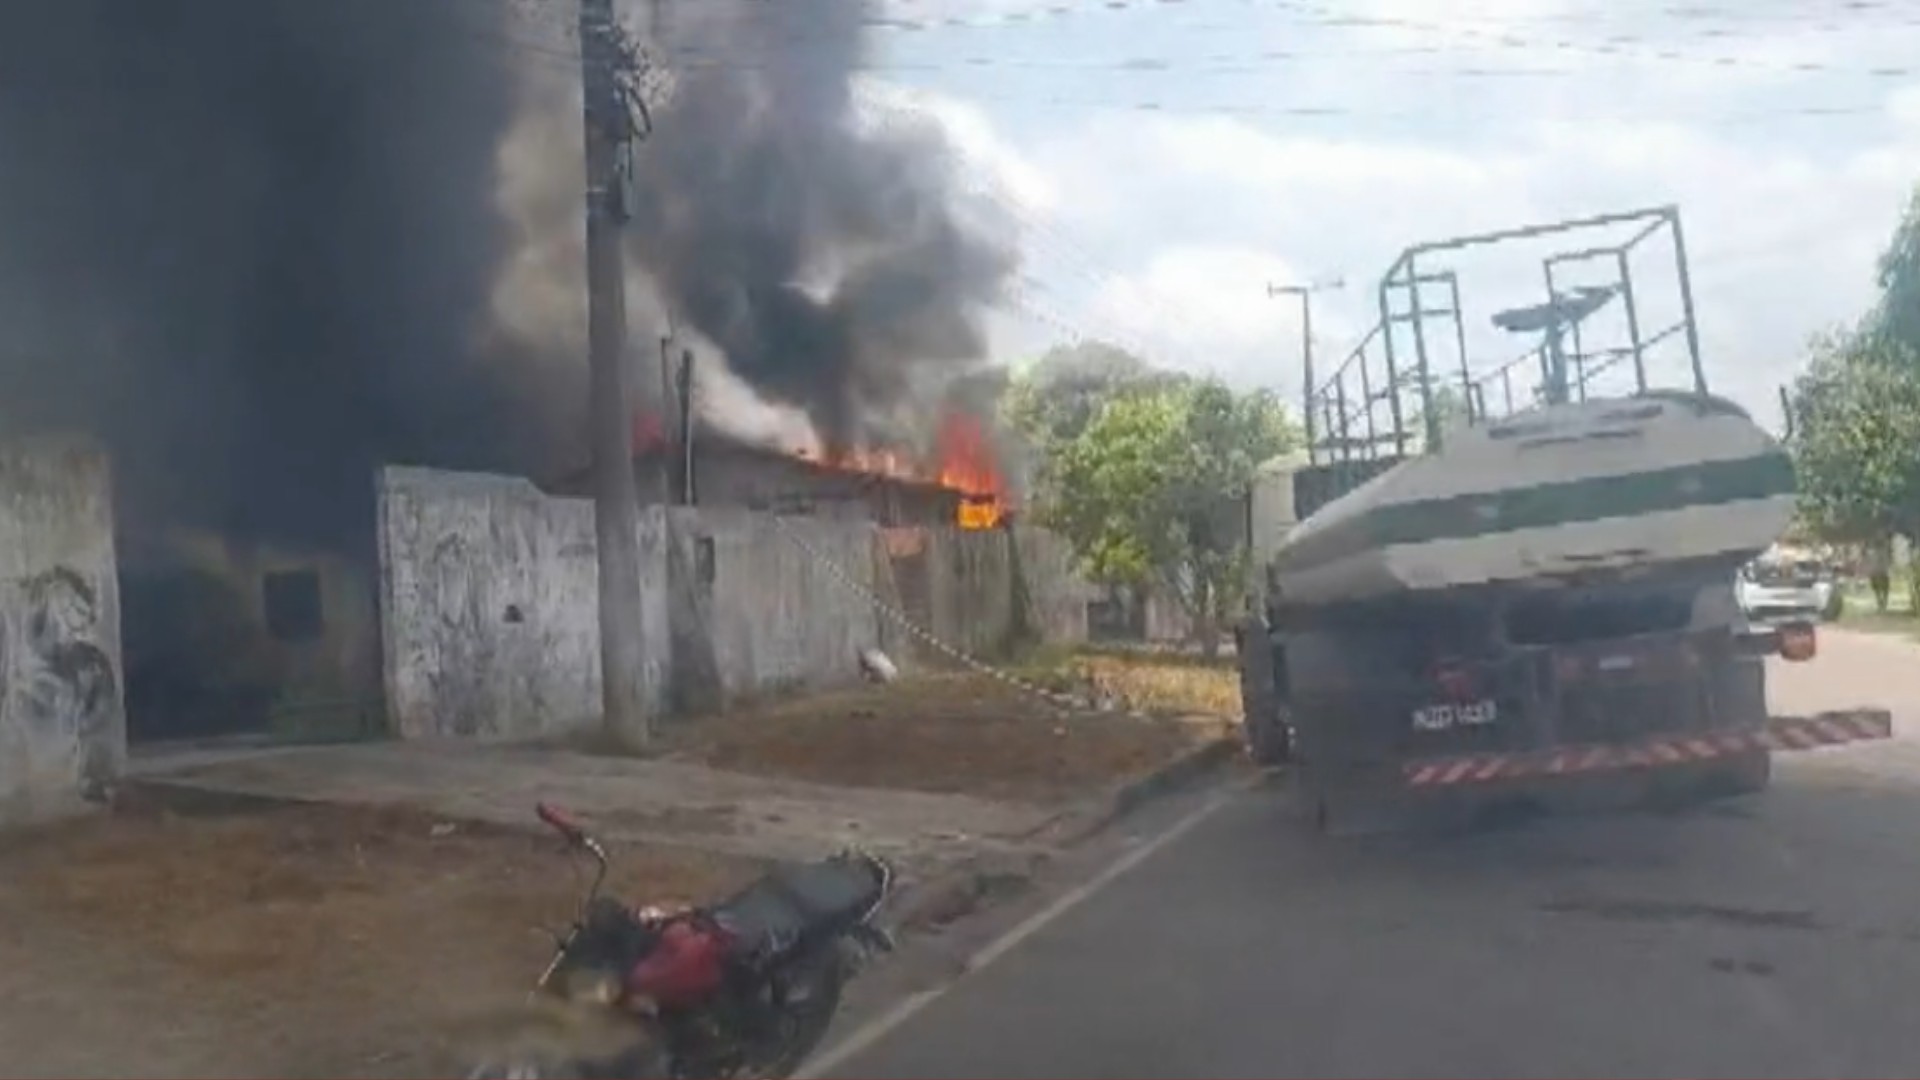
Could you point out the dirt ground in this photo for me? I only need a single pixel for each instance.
(289, 941)
(244, 937)
(953, 734)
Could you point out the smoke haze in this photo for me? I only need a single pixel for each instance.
(247, 242)
(824, 256)
(259, 246)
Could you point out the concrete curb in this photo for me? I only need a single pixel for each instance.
(1129, 795)
(942, 898)
(949, 896)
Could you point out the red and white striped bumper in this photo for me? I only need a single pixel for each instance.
(1780, 733)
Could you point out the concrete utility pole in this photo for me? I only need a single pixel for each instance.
(1305, 293)
(616, 501)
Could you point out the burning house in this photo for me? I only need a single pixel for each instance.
(960, 484)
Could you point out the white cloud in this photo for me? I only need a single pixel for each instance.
(1164, 227)
(989, 158)
(1197, 215)
(1482, 25)
(1204, 303)
(1903, 107)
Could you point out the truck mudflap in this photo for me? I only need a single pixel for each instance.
(1779, 733)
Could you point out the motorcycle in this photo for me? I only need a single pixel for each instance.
(744, 988)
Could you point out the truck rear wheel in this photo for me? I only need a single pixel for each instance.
(1264, 721)
(1269, 737)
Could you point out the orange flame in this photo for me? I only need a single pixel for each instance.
(964, 462)
(968, 465)
(979, 512)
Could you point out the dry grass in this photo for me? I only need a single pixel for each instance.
(1160, 682)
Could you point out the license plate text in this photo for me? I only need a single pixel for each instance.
(1449, 716)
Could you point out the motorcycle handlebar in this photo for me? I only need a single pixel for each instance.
(576, 836)
(561, 822)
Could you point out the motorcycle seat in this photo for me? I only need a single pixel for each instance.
(796, 904)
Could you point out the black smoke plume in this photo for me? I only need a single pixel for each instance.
(248, 243)
(260, 246)
(824, 254)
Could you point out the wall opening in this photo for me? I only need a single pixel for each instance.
(291, 602)
(220, 639)
(195, 664)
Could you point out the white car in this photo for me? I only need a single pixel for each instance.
(1776, 589)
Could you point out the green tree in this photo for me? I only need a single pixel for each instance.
(1856, 439)
(1055, 399)
(1151, 490)
(1896, 318)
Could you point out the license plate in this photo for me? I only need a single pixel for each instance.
(1447, 717)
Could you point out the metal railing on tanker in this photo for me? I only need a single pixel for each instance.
(1408, 380)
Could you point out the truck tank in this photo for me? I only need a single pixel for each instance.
(1578, 489)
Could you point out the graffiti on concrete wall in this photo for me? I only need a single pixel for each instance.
(462, 652)
(60, 683)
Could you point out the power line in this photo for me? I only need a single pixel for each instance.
(1042, 14)
(1682, 13)
(1263, 62)
(1754, 24)
(1090, 267)
(546, 55)
(1627, 47)
(1345, 112)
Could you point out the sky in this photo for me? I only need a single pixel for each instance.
(1167, 160)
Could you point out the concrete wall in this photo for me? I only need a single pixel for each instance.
(768, 605)
(970, 578)
(1056, 595)
(963, 587)
(490, 620)
(62, 718)
(488, 606)
(775, 613)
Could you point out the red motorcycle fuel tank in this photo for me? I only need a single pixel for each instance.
(686, 966)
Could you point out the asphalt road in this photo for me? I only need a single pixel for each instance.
(1770, 936)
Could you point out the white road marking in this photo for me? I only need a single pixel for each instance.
(883, 1025)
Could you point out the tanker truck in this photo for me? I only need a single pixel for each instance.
(1531, 605)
